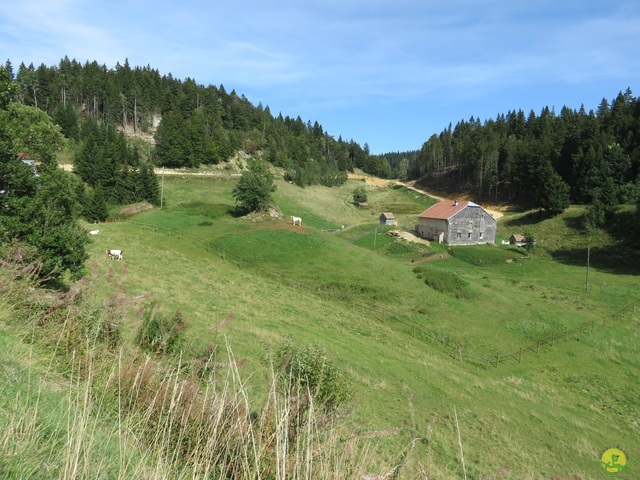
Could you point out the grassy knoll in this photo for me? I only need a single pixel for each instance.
(549, 416)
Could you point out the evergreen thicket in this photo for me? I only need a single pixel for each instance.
(200, 125)
(113, 169)
(547, 160)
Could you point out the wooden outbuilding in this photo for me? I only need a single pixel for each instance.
(388, 218)
(518, 240)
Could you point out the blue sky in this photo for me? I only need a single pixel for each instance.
(389, 74)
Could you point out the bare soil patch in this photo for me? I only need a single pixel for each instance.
(374, 181)
(408, 236)
(431, 258)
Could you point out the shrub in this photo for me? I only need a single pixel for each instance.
(307, 369)
(158, 333)
(359, 195)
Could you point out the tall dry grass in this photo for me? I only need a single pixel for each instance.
(123, 414)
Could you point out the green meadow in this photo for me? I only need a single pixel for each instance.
(420, 330)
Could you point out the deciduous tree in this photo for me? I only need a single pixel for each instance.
(254, 188)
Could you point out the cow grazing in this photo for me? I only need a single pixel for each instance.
(114, 254)
(94, 232)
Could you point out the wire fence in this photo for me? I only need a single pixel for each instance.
(560, 336)
(459, 351)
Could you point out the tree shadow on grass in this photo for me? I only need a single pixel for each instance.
(528, 219)
(574, 223)
(615, 259)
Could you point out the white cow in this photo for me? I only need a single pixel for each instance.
(94, 232)
(296, 220)
(114, 254)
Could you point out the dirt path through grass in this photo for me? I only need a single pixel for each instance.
(380, 182)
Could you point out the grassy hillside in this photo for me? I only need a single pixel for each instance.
(413, 351)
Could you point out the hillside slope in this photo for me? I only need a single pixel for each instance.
(547, 414)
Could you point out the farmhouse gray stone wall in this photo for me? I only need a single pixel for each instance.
(428, 227)
(470, 226)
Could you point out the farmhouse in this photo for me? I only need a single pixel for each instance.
(457, 223)
(388, 218)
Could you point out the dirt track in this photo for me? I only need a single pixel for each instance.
(373, 181)
(380, 182)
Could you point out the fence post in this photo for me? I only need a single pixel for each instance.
(565, 333)
(538, 347)
(604, 321)
(592, 324)
(520, 355)
(553, 339)
(497, 358)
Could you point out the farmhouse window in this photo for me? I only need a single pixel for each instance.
(480, 234)
(469, 235)
(459, 234)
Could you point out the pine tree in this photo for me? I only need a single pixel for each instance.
(552, 194)
(96, 209)
(148, 182)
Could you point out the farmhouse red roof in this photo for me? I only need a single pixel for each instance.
(444, 210)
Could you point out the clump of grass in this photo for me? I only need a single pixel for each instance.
(444, 282)
(159, 333)
(400, 248)
(485, 255)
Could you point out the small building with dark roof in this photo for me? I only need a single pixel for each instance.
(457, 223)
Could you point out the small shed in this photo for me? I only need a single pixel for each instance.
(388, 218)
(518, 240)
(28, 162)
